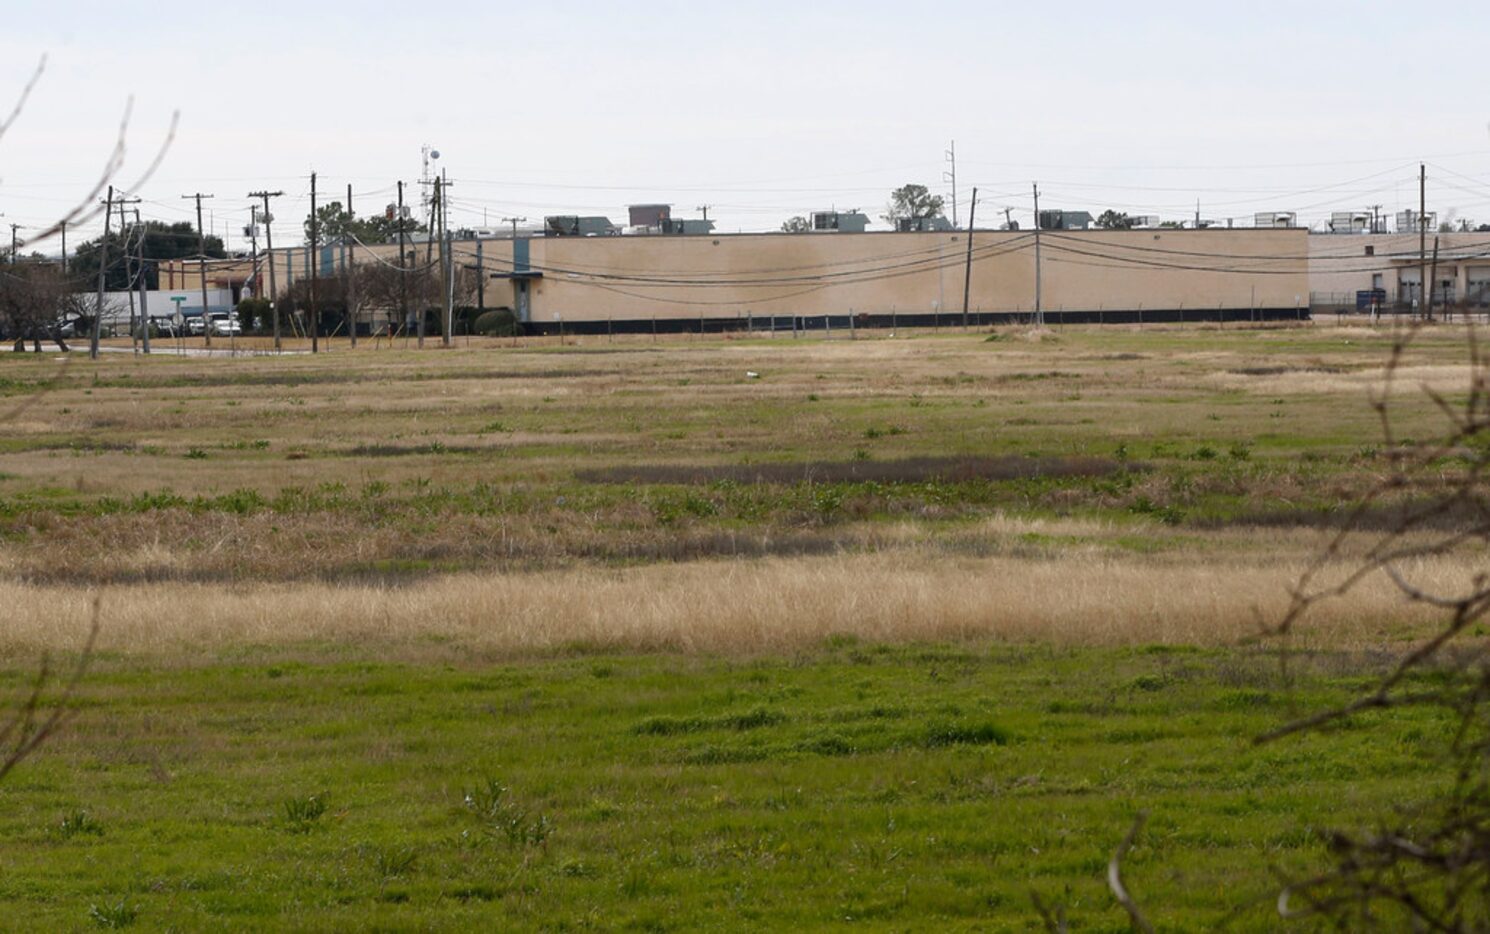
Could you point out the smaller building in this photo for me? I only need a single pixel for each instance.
(1275, 219)
(649, 215)
(841, 221)
(1065, 220)
(922, 224)
(573, 225)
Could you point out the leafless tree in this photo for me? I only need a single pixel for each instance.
(34, 299)
(1428, 868)
(33, 296)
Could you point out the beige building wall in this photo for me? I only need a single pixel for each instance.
(596, 278)
(1342, 264)
(735, 275)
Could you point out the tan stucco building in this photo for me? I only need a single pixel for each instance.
(913, 275)
(1343, 265)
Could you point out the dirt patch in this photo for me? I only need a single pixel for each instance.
(1423, 515)
(910, 470)
(1282, 370)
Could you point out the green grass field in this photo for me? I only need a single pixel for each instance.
(614, 636)
(927, 787)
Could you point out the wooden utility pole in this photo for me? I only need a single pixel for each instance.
(429, 246)
(1422, 238)
(269, 246)
(350, 273)
(202, 265)
(129, 273)
(144, 288)
(1433, 278)
(403, 278)
(445, 309)
(449, 263)
(1039, 311)
(64, 248)
(315, 262)
(103, 266)
(967, 277)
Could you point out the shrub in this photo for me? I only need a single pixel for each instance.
(301, 814)
(254, 314)
(500, 322)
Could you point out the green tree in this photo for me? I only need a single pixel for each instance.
(162, 242)
(798, 224)
(912, 201)
(337, 223)
(1114, 220)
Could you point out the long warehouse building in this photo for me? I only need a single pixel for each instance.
(915, 277)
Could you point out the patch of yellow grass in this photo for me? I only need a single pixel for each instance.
(730, 607)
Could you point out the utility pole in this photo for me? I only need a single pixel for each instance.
(349, 199)
(403, 276)
(253, 246)
(103, 266)
(1039, 311)
(967, 277)
(1375, 218)
(1422, 237)
(64, 248)
(129, 273)
(951, 176)
(202, 265)
(480, 280)
(514, 221)
(447, 262)
(315, 262)
(428, 261)
(144, 287)
(705, 209)
(351, 280)
(14, 243)
(269, 246)
(1433, 276)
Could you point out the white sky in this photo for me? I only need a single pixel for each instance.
(763, 109)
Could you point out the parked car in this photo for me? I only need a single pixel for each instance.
(225, 325)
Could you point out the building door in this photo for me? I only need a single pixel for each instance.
(1409, 286)
(1477, 285)
(521, 300)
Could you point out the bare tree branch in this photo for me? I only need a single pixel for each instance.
(15, 111)
(1115, 877)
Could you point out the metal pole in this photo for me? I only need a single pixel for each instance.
(269, 246)
(967, 278)
(1039, 312)
(1422, 237)
(315, 262)
(202, 267)
(103, 255)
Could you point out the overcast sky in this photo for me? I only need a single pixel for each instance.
(760, 109)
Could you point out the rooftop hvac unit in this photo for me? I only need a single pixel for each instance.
(1275, 219)
(1407, 221)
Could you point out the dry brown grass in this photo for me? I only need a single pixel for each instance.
(529, 421)
(732, 607)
